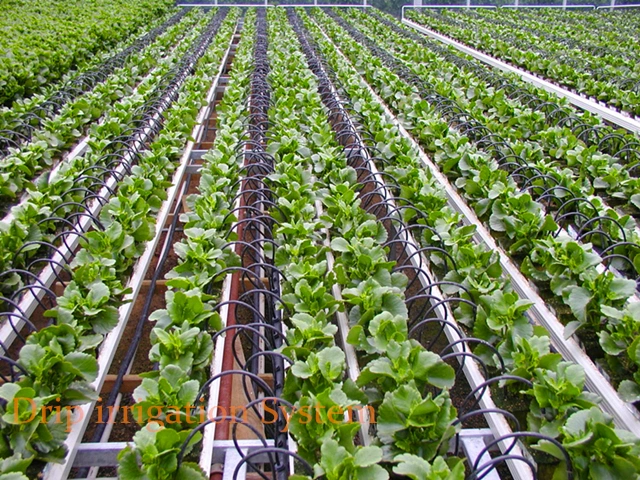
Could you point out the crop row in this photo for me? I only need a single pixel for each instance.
(181, 340)
(320, 217)
(19, 123)
(544, 252)
(67, 193)
(499, 315)
(324, 201)
(589, 32)
(46, 41)
(61, 132)
(57, 364)
(526, 130)
(618, 25)
(581, 72)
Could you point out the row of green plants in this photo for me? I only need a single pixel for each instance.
(25, 106)
(58, 363)
(616, 60)
(61, 132)
(45, 41)
(558, 405)
(558, 111)
(626, 231)
(553, 150)
(181, 339)
(527, 232)
(405, 385)
(592, 33)
(585, 74)
(556, 49)
(613, 26)
(54, 195)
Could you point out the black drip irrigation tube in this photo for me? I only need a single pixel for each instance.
(262, 331)
(127, 150)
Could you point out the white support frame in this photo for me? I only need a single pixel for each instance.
(472, 441)
(564, 6)
(613, 6)
(516, 5)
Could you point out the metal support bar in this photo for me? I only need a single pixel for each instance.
(198, 154)
(342, 319)
(564, 6)
(614, 6)
(105, 454)
(473, 441)
(232, 459)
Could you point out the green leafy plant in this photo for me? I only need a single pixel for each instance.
(597, 449)
(411, 423)
(417, 468)
(184, 346)
(337, 462)
(154, 456)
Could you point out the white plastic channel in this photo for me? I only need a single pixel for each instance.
(613, 6)
(579, 101)
(563, 7)
(342, 319)
(258, 5)
(108, 348)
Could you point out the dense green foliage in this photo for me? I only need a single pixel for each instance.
(43, 41)
(608, 72)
